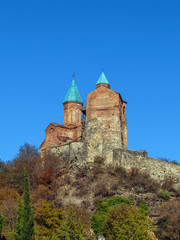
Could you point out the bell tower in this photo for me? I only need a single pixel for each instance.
(72, 106)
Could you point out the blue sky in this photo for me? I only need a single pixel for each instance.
(137, 43)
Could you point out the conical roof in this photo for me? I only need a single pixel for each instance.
(73, 94)
(102, 79)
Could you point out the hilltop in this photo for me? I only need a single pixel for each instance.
(60, 183)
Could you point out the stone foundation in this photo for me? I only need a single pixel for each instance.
(97, 140)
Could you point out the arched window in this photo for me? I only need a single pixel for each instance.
(124, 110)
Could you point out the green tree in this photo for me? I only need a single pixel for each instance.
(72, 227)
(126, 222)
(27, 212)
(48, 218)
(19, 218)
(97, 220)
(1, 222)
(26, 158)
(25, 217)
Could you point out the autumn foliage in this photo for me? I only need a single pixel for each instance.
(65, 196)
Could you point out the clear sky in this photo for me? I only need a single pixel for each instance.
(137, 43)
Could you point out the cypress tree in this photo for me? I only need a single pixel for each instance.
(1, 222)
(19, 218)
(25, 216)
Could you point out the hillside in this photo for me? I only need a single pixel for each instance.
(56, 185)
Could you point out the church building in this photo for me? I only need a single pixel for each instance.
(103, 105)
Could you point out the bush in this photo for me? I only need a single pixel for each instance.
(175, 162)
(164, 159)
(144, 209)
(141, 181)
(169, 183)
(98, 160)
(169, 222)
(74, 225)
(164, 195)
(126, 222)
(101, 189)
(81, 173)
(48, 218)
(97, 221)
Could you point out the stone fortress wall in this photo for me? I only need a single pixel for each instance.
(95, 144)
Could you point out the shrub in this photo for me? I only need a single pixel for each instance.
(169, 183)
(114, 185)
(169, 222)
(97, 221)
(141, 181)
(126, 222)
(81, 173)
(42, 193)
(48, 218)
(144, 209)
(175, 162)
(98, 160)
(9, 211)
(164, 195)
(120, 171)
(46, 177)
(72, 227)
(164, 159)
(81, 188)
(101, 189)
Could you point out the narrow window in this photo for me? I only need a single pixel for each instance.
(71, 117)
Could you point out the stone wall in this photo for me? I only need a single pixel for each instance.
(98, 141)
(73, 151)
(83, 153)
(156, 168)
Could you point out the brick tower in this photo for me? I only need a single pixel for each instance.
(72, 106)
(108, 106)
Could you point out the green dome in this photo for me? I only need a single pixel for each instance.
(102, 79)
(73, 94)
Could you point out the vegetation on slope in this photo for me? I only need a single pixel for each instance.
(70, 200)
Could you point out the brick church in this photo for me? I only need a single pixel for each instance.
(103, 104)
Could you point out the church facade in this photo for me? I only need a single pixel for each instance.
(104, 107)
(102, 131)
